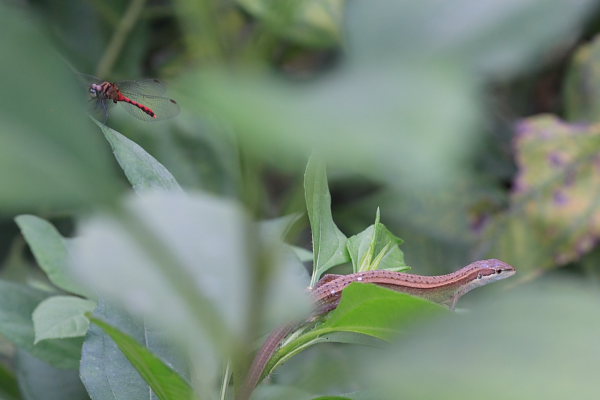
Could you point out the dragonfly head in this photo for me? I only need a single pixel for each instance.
(95, 89)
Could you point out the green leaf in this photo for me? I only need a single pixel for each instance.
(582, 84)
(376, 248)
(49, 155)
(39, 380)
(9, 388)
(310, 22)
(365, 309)
(329, 243)
(164, 381)
(143, 171)
(377, 311)
(60, 317)
(17, 303)
(50, 251)
(107, 373)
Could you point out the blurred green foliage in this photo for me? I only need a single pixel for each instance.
(190, 240)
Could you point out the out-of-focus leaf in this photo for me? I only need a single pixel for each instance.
(143, 171)
(409, 125)
(107, 373)
(278, 228)
(544, 355)
(9, 388)
(180, 261)
(302, 254)
(39, 380)
(582, 85)
(49, 155)
(496, 37)
(376, 248)
(177, 260)
(554, 192)
(310, 22)
(329, 243)
(60, 317)
(17, 303)
(50, 251)
(164, 381)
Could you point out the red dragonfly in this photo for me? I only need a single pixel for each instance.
(141, 98)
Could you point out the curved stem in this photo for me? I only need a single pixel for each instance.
(118, 39)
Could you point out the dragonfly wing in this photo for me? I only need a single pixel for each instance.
(98, 109)
(149, 87)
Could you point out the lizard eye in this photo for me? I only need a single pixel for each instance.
(479, 276)
(498, 271)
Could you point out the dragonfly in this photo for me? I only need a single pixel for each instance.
(141, 98)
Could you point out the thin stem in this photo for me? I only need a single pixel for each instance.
(226, 378)
(117, 41)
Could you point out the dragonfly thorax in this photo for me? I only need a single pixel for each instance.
(104, 90)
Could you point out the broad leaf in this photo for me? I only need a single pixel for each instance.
(39, 380)
(143, 171)
(50, 251)
(17, 303)
(365, 309)
(376, 311)
(60, 317)
(329, 243)
(164, 381)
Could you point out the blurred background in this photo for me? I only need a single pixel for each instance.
(472, 125)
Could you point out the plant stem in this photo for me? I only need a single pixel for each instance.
(117, 41)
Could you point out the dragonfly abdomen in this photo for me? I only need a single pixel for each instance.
(142, 107)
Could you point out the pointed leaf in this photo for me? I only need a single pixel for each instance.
(107, 373)
(164, 381)
(329, 243)
(143, 171)
(376, 248)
